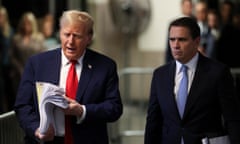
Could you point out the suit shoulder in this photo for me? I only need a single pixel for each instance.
(45, 54)
(164, 67)
(45, 57)
(99, 57)
(215, 64)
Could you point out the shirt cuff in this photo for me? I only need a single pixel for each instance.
(80, 119)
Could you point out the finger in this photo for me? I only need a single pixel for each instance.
(51, 128)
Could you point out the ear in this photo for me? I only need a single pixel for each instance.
(197, 40)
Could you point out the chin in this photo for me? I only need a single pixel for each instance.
(70, 56)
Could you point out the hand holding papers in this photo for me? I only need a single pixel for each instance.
(49, 97)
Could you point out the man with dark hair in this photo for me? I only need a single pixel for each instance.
(191, 95)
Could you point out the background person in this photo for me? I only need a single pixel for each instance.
(48, 31)
(6, 34)
(27, 41)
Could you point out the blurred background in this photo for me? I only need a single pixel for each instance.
(132, 32)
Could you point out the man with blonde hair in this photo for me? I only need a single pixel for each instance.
(93, 93)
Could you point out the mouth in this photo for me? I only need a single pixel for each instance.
(70, 50)
(177, 52)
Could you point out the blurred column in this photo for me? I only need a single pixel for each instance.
(51, 6)
(77, 4)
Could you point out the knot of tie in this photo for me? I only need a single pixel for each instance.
(73, 62)
(184, 68)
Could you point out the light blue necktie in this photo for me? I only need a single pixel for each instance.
(183, 90)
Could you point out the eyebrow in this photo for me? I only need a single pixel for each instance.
(177, 38)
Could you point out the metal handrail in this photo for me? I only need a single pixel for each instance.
(7, 114)
(136, 70)
(235, 71)
(10, 131)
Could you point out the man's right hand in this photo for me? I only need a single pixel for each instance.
(48, 136)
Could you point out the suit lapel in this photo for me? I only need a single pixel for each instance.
(173, 97)
(86, 74)
(53, 67)
(168, 86)
(197, 82)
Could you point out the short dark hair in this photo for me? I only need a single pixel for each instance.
(189, 23)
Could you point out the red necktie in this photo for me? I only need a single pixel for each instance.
(71, 90)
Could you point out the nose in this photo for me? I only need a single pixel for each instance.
(70, 39)
(175, 43)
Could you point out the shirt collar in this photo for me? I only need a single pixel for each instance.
(190, 64)
(65, 61)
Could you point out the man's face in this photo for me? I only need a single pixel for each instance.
(74, 40)
(187, 8)
(183, 46)
(201, 12)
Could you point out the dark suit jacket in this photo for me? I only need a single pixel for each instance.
(98, 91)
(211, 95)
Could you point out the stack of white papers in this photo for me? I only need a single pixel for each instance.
(50, 96)
(216, 140)
(220, 140)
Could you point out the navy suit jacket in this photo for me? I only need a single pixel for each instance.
(98, 90)
(211, 96)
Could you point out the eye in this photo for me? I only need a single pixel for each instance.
(66, 34)
(172, 39)
(182, 39)
(178, 39)
(77, 36)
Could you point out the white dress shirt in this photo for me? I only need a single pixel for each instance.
(59, 115)
(192, 64)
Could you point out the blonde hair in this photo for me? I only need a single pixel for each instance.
(29, 16)
(6, 25)
(75, 16)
